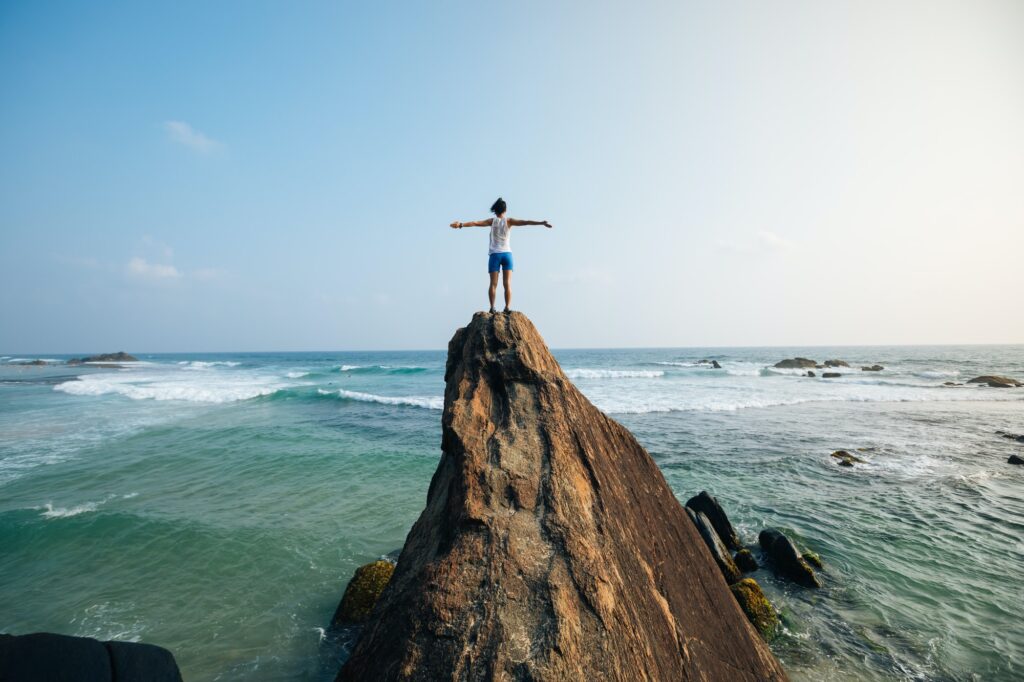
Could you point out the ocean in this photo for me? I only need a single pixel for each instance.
(217, 504)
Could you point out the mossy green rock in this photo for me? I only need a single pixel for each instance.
(746, 561)
(363, 591)
(813, 559)
(759, 610)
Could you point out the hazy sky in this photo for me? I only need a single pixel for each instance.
(280, 176)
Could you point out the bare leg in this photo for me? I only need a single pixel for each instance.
(492, 289)
(506, 281)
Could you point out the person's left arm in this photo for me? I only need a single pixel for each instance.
(515, 222)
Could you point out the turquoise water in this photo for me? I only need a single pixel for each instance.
(218, 504)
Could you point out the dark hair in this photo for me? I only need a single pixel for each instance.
(498, 207)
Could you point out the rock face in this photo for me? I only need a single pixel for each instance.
(796, 363)
(362, 593)
(785, 558)
(551, 547)
(996, 381)
(61, 658)
(706, 503)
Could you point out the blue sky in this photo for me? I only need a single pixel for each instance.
(280, 176)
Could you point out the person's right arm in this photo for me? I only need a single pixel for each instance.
(474, 223)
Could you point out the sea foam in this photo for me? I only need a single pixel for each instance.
(613, 373)
(428, 402)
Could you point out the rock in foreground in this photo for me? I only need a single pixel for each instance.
(50, 657)
(759, 610)
(362, 592)
(785, 558)
(708, 504)
(550, 547)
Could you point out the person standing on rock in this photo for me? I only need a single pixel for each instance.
(499, 254)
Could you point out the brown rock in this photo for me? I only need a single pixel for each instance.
(872, 368)
(996, 381)
(846, 459)
(796, 363)
(551, 547)
(836, 363)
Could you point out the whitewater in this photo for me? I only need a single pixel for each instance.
(216, 504)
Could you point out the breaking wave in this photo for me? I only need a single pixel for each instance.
(428, 402)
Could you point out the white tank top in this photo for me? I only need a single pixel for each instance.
(499, 236)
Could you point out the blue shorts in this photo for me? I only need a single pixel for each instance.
(499, 261)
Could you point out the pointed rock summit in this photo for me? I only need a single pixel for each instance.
(551, 547)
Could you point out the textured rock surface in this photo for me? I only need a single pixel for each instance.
(550, 547)
(785, 558)
(362, 592)
(745, 561)
(708, 504)
(62, 658)
(759, 610)
(719, 553)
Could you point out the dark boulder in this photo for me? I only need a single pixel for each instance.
(119, 356)
(796, 363)
(814, 559)
(836, 363)
(759, 610)
(872, 368)
(714, 364)
(951, 383)
(707, 504)
(785, 558)
(362, 593)
(49, 657)
(996, 381)
(831, 375)
(846, 459)
(718, 551)
(810, 373)
(1015, 459)
(745, 561)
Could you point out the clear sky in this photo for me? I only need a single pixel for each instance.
(215, 176)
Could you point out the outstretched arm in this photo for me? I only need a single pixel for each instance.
(515, 222)
(473, 223)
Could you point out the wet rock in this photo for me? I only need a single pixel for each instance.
(810, 373)
(718, 551)
(714, 363)
(813, 558)
(755, 605)
(951, 383)
(996, 381)
(785, 559)
(49, 657)
(745, 561)
(1015, 459)
(119, 356)
(706, 503)
(836, 363)
(550, 547)
(846, 458)
(831, 375)
(872, 368)
(796, 363)
(362, 592)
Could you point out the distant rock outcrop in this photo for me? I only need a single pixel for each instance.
(49, 657)
(996, 381)
(551, 547)
(836, 363)
(872, 368)
(796, 363)
(119, 356)
(831, 375)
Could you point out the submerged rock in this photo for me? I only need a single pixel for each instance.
(714, 543)
(785, 558)
(49, 657)
(1015, 459)
(745, 561)
(814, 559)
(362, 592)
(550, 547)
(846, 459)
(810, 373)
(796, 363)
(872, 368)
(759, 610)
(836, 363)
(706, 503)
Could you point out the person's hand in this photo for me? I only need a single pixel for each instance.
(456, 225)
(546, 224)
